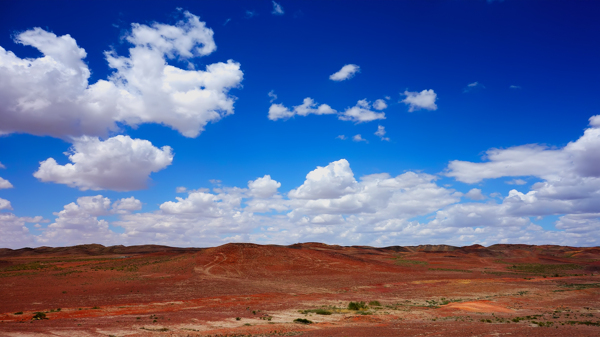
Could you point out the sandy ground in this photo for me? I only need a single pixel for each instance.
(252, 290)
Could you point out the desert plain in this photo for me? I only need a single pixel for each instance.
(308, 289)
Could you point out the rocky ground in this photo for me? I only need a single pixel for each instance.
(306, 289)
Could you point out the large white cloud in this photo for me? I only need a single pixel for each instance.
(330, 206)
(577, 159)
(51, 95)
(420, 100)
(78, 222)
(118, 163)
(347, 72)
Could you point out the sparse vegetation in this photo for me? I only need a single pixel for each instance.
(375, 304)
(357, 306)
(19, 313)
(316, 311)
(39, 316)
(302, 321)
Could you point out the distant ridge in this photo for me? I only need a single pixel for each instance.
(493, 250)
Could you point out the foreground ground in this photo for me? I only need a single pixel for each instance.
(252, 290)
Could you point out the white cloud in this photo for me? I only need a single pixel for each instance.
(342, 137)
(5, 183)
(332, 181)
(119, 163)
(381, 133)
(127, 205)
(361, 113)
(515, 87)
(78, 223)
(475, 194)
(279, 111)
(473, 86)
(358, 138)
(379, 104)
(420, 100)
(272, 95)
(516, 182)
(180, 189)
(250, 14)
(264, 187)
(51, 95)
(347, 72)
(2, 166)
(5, 204)
(277, 9)
(13, 233)
(308, 106)
(215, 181)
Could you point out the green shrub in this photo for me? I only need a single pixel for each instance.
(375, 304)
(302, 321)
(357, 305)
(39, 316)
(19, 313)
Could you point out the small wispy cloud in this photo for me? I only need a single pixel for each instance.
(272, 95)
(516, 182)
(515, 87)
(226, 21)
(342, 137)
(473, 86)
(181, 189)
(381, 133)
(251, 14)
(359, 138)
(277, 9)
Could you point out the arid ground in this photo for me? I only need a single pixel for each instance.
(300, 290)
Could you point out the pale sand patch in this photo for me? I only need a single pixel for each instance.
(479, 306)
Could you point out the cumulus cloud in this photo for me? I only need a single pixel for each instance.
(381, 133)
(475, 194)
(5, 204)
(361, 113)
(13, 233)
(51, 95)
(379, 104)
(264, 187)
(420, 100)
(334, 206)
(347, 72)
(5, 183)
(308, 106)
(342, 137)
(332, 181)
(277, 9)
(118, 163)
(358, 138)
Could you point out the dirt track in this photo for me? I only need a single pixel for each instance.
(252, 290)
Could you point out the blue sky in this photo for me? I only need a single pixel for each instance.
(487, 107)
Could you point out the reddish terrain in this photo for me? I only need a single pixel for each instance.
(253, 290)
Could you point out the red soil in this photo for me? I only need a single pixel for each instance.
(421, 290)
